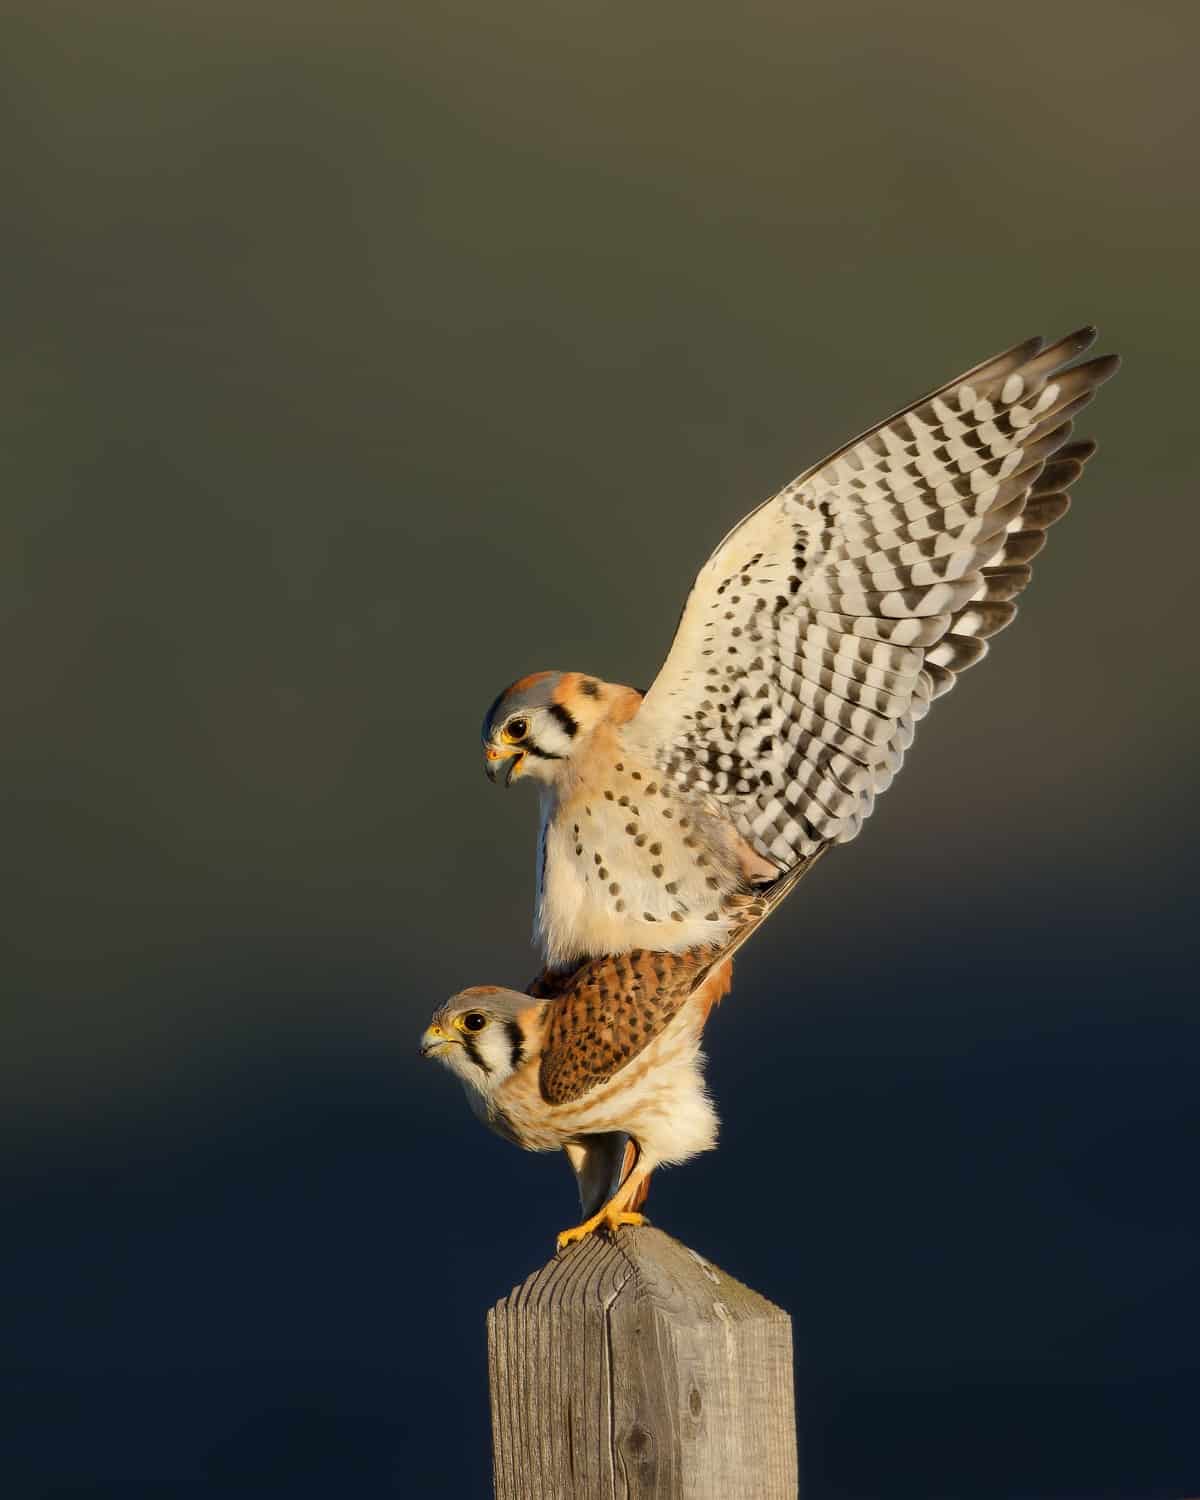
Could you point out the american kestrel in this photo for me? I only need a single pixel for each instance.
(813, 641)
(603, 1061)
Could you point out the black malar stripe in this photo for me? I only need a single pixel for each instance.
(565, 718)
(515, 1043)
(474, 1054)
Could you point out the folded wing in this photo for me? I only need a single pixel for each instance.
(607, 1011)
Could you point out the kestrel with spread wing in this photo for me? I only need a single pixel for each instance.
(813, 641)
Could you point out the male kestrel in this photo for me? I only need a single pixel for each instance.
(813, 641)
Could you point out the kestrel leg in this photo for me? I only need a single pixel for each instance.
(621, 1206)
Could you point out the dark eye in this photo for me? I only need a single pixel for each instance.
(474, 1021)
(517, 729)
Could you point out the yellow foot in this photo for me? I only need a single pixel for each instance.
(608, 1218)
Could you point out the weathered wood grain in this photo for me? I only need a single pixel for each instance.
(631, 1369)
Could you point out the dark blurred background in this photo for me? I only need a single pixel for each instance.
(360, 358)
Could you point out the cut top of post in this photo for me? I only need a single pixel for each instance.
(631, 1368)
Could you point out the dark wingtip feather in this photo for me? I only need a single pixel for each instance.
(1080, 450)
(1061, 352)
(1059, 474)
(1104, 367)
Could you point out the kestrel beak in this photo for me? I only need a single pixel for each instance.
(435, 1040)
(495, 755)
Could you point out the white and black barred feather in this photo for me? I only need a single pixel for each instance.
(821, 629)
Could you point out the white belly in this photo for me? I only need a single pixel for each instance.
(649, 872)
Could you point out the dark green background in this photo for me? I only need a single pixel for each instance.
(358, 358)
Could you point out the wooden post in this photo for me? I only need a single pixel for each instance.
(631, 1369)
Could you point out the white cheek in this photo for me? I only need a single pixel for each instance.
(495, 1047)
(552, 739)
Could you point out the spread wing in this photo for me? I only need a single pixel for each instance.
(825, 623)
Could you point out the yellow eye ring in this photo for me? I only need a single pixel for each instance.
(515, 730)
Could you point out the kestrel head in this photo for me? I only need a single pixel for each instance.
(535, 726)
(482, 1035)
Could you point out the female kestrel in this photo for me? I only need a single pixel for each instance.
(813, 641)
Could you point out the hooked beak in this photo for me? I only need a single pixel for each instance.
(494, 757)
(435, 1040)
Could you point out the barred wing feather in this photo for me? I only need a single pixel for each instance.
(824, 625)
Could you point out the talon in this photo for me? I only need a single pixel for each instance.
(608, 1218)
(572, 1236)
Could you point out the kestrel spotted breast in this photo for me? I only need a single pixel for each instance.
(814, 640)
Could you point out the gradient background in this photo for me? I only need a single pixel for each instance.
(359, 358)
